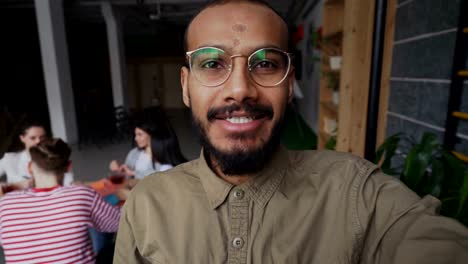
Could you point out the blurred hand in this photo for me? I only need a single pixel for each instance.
(114, 166)
(127, 171)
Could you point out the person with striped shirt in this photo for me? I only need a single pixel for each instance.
(49, 222)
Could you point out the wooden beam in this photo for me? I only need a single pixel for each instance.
(386, 71)
(354, 85)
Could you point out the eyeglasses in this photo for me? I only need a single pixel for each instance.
(212, 66)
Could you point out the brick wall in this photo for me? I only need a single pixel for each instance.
(425, 33)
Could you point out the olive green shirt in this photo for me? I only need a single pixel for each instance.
(304, 207)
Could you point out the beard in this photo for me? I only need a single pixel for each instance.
(239, 161)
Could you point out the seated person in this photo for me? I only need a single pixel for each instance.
(14, 164)
(157, 149)
(49, 222)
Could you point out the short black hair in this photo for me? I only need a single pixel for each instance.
(223, 2)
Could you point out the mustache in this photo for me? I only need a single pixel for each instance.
(252, 109)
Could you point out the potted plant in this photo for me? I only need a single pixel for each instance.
(335, 62)
(428, 168)
(329, 48)
(333, 83)
(331, 143)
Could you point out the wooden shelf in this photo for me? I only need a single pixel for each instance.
(333, 36)
(332, 42)
(325, 66)
(325, 136)
(333, 17)
(330, 107)
(347, 30)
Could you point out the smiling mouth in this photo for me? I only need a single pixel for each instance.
(239, 120)
(240, 117)
(236, 114)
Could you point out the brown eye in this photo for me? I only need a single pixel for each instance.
(212, 65)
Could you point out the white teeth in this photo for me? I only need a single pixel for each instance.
(239, 120)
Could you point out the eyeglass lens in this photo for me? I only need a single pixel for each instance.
(212, 66)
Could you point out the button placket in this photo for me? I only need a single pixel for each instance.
(239, 204)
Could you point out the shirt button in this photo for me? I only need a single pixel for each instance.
(239, 194)
(237, 242)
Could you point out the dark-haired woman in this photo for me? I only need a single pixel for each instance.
(157, 149)
(49, 223)
(14, 164)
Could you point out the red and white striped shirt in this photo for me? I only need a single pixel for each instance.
(50, 225)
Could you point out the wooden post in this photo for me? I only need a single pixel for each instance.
(355, 74)
(386, 71)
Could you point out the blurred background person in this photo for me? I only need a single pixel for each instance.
(157, 149)
(14, 164)
(49, 222)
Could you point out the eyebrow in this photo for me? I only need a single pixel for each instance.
(250, 49)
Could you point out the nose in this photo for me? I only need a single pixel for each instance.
(239, 87)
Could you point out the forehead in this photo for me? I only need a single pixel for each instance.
(237, 27)
(139, 130)
(35, 131)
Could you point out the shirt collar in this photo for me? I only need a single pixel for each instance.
(47, 189)
(260, 187)
(25, 156)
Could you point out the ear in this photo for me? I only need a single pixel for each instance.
(184, 75)
(291, 85)
(22, 138)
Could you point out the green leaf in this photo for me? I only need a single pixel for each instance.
(436, 178)
(388, 148)
(418, 161)
(331, 143)
(430, 141)
(456, 168)
(415, 167)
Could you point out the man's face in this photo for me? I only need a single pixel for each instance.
(237, 116)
